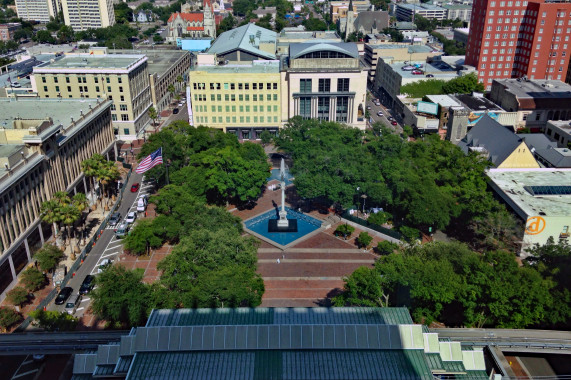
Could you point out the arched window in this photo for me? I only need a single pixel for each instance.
(325, 54)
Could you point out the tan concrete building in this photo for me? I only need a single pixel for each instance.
(164, 67)
(241, 99)
(37, 10)
(88, 14)
(42, 145)
(397, 52)
(325, 81)
(7, 30)
(123, 79)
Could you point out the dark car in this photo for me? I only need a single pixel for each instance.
(429, 76)
(135, 187)
(63, 295)
(175, 111)
(87, 284)
(114, 219)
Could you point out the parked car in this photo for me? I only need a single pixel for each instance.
(72, 304)
(380, 113)
(417, 72)
(16, 85)
(175, 111)
(105, 263)
(135, 187)
(63, 295)
(142, 203)
(87, 284)
(114, 219)
(391, 118)
(122, 231)
(429, 76)
(131, 217)
(368, 107)
(394, 122)
(180, 104)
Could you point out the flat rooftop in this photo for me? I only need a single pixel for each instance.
(478, 103)
(420, 7)
(87, 62)
(158, 61)
(444, 100)
(512, 183)
(537, 88)
(255, 68)
(440, 70)
(563, 125)
(60, 110)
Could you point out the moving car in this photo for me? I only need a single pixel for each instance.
(114, 219)
(175, 111)
(72, 304)
(63, 295)
(131, 217)
(87, 284)
(105, 263)
(135, 187)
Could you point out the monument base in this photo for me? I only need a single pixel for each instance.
(291, 227)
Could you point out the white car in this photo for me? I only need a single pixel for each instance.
(180, 104)
(131, 217)
(379, 113)
(105, 263)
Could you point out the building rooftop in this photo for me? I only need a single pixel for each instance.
(444, 100)
(556, 157)
(296, 50)
(420, 7)
(438, 70)
(537, 88)
(61, 111)
(85, 62)
(271, 343)
(456, 6)
(158, 61)
(513, 183)
(248, 38)
(478, 103)
(270, 66)
(405, 25)
(563, 125)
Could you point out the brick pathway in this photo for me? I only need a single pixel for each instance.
(148, 263)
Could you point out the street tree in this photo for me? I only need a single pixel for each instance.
(18, 296)
(364, 287)
(142, 239)
(90, 168)
(33, 279)
(52, 320)
(153, 115)
(364, 239)
(50, 213)
(8, 318)
(48, 257)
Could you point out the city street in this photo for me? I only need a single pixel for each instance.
(383, 119)
(108, 246)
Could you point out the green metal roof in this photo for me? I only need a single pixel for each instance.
(301, 364)
(473, 375)
(259, 316)
(454, 367)
(247, 38)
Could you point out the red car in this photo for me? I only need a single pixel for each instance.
(417, 72)
(394, 122)
(135, 187)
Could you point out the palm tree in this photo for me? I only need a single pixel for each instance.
(107, 174)
(90, 167)
(171, 89)
(69, 215)
(81, 203)
(50, 214)
(179, 79)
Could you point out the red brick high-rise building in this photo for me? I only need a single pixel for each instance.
(510, 39)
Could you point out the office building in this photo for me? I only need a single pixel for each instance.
(515, 39)
(42, 145)
(560, 131)
(241, 99)
(541, 198)
(406, 11)
(324, 81)
(397, 52)
(7, 30)
(37, 10)
(123, 79)
(461, 12)
(282, 343)
(535, 101)
(88, 14)
(165, 67)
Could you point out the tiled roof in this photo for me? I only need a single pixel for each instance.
(189, 17)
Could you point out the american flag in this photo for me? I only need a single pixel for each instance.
(151, 161)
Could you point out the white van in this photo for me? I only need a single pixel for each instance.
(72, 304)
(142, 204)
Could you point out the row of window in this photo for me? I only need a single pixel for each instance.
(83, 79)
(235, 119)
(201, 108)
(239, 86)
(324, 85)
(83, 89)
(239, 97)
(323, 108)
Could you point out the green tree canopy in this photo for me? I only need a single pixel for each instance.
(33, 279)
(54, 320)
(48, 257)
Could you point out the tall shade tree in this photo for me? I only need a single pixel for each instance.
(90, 168)
(48, 257)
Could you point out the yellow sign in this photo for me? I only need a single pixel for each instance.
(535, 225)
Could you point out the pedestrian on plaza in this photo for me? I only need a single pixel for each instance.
(278, 261)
